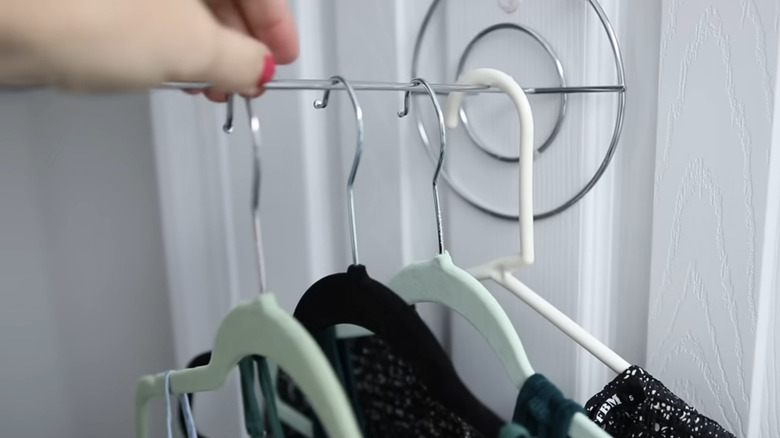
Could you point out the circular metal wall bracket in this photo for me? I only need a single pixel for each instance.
(561, 83)
(619, 88)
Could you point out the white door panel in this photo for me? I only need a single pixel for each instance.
(718, 61)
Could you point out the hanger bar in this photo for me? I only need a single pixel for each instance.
(325, 84)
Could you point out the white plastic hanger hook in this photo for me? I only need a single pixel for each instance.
(504, 82)
(500, 270)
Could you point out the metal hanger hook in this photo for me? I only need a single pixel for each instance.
(227, 127)
(408, 99)
(323, 103)
(254, 125)
(442, 150)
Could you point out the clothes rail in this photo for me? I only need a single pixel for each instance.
(327, 84)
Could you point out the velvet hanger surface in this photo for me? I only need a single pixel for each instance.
(355, 298)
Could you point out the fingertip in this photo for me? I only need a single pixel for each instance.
(232, 61)
(287, 56)
(272, 22)
(217, 96)
(283, 42)
(239, 65)
(269, 69)
(257, 94)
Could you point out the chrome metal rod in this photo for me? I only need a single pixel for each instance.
(320, 84)
(575, 90)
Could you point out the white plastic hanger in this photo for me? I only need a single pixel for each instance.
(500, 270)
(260, 327)
(440, 281)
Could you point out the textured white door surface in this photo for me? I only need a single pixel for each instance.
(711, 325)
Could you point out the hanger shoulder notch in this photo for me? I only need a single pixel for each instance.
(261, 327)
(440, 281)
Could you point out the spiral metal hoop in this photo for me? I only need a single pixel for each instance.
(561, 83)
(620, 89)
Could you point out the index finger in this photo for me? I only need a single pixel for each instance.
(271, 22)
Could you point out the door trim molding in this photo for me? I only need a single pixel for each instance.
(595, 303)
(767, 302)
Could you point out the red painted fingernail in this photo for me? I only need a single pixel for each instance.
(269, 67)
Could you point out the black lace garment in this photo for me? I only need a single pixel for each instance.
(635, 405)
(393, 403)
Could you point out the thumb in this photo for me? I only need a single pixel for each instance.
(230, 60)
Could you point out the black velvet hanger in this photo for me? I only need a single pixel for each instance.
(355, 298)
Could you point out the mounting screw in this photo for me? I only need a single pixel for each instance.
(509, 6)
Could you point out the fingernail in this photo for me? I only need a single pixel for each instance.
(269, 68)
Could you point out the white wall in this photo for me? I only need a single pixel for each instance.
(712, 196)
(83, 304)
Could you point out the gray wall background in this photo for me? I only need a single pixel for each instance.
(83, 303)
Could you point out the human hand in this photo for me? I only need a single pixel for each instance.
(132, 44)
